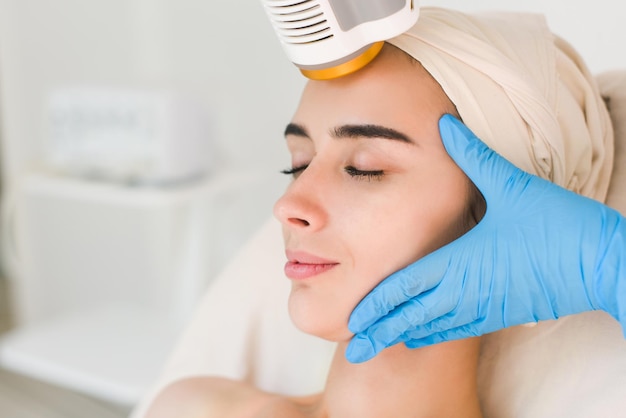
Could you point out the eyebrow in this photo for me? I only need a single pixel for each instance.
(369, 131)
(354, 131)
(296, 130)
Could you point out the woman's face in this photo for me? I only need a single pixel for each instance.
(373, 188)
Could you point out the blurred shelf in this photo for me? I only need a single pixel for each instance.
(23, 397)
(113, 354)
(105, 276)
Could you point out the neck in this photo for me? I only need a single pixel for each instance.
(436, 381)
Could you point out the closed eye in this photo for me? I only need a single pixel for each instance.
(294, 171)
(364, 174)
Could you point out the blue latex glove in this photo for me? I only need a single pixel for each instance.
(540, 252)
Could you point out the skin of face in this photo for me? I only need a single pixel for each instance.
(412, 199)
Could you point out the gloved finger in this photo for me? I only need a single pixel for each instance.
(396, 323)
(444, 323)
(361, 348)
(394, 327)
(424, 310)
(398, 288)
(485, 168)
(465, 331)
(437, 311)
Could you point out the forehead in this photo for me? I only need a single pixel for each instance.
(390, 87)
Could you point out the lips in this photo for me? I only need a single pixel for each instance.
(301, 265)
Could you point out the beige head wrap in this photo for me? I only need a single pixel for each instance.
(522, 90)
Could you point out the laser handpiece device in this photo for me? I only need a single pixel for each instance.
(327, 39)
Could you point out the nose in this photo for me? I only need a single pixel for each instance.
(300, 207)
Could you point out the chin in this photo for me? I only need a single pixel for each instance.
(319, 321)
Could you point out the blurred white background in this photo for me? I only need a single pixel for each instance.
(221, 52)
(98, 269)
(101, 274)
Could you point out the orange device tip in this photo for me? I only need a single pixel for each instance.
(347, 67)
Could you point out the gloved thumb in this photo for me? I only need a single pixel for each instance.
(485, 168)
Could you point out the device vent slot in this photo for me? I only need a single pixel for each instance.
(299, 22)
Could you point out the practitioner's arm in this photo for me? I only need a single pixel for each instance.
(540, 252)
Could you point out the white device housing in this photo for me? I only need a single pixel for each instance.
(128, 136)
(319, 34)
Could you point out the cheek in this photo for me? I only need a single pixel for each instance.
(402, 226)
(443, 215)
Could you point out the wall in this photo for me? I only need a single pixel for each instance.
(596, 28)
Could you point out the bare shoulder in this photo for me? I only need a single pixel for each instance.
(284, 407)
(209, 397)
(205, 397)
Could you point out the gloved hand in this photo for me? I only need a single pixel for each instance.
(540, 252)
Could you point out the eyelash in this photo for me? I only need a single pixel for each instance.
(294, 171)
(368, 175)
(350, 170)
